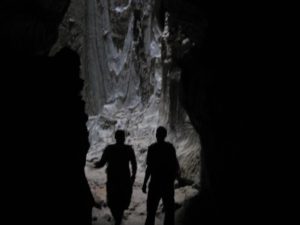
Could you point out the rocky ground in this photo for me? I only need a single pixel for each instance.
(122, 63)
(136, 214)
(140, 123)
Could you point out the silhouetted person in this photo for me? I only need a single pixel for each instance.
(119, 179)
(163, 168)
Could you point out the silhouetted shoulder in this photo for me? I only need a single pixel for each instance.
(169, 143)
(129, 149)
(129, 146)
(152, 146)
(150, 153)
(109, 147)
(108, 151)
(161, 145)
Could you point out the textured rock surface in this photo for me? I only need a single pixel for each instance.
(136, 213)
(130, 81)
(125, 84)
(217, 88)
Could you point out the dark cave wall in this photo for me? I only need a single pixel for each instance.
(216, 92)
(30, 27)
(43, 124)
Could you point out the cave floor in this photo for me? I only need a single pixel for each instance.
(136, 213)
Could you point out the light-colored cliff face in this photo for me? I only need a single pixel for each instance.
(129, 85)
(131, 82)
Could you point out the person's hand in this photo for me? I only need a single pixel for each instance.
(132, 179)
(144, 188)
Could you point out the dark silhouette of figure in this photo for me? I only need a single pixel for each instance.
(119, 179)
(163, 168)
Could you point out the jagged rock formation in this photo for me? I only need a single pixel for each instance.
(129, 83)
(131, 80)
(213, 87)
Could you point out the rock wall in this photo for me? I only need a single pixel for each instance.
(46, 138)
(220, 77)
(130, 82)
(214, 70)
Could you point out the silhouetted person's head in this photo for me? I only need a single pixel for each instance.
(161, 134)
(120, 136)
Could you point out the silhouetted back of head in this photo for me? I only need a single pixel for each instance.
(161, 134)
(120, 136)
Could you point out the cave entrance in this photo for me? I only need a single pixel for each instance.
(131, 85)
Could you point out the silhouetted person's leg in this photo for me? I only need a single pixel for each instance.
(117, 213)
(152, 204)
(168, 201)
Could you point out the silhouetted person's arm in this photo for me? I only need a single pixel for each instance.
(103, 160)
(147, 176)
(133, 165)
(147, 173)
